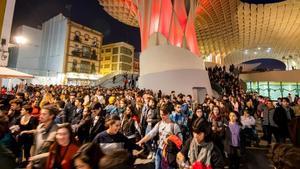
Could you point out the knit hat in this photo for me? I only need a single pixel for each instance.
(112, 100)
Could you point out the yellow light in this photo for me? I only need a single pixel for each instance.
(21, 40)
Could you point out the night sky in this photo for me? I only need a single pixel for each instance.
(86, 12)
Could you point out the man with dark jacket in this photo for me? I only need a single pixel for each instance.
(69, 108)
(97, 121)
(282, 116)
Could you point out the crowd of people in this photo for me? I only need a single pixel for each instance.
(92, 127)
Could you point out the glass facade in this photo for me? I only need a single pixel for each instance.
(274, 89)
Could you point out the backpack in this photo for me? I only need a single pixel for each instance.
(171, 149)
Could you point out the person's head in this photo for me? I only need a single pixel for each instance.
(78, 102)
(15, 104)
(199, 112)
(233, 117)
(116, 160)
(20, 95)
(48, 113)
(122, 103)
(26, 109)
(86, 111)
(201, 130)
(246, 113)
(87, 157)
(128, 111)
(72, 97)
(298, 101)
(178, 108)
(285, 102)
(64, 134)
(269, 104)
(96, 109)
(152, 102)
(112, 100)
(216, 110)
(164, 114)
(60, 104)
(113, 123)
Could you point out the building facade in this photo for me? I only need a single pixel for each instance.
(61, 52)
(116, 57)
(136, 63)
(6, 16)
(83, 51)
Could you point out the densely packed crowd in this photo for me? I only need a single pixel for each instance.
(91, 127)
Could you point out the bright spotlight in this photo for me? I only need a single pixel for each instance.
(21, 40)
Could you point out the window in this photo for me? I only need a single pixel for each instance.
(125, 59)
(115, 58)
(126, 51)
(106, 66)
(125, 67)
(114, 67)
(85, 67)
(115, 50)
(107, 50)
(107, 57)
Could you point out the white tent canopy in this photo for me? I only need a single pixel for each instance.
(9, 73)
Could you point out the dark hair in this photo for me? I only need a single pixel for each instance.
(200, 125)
(28, 108)
(286, 99)
(116, 160)
(80, 100)
(21, 94)
(16, 101)
(60, 104)
(90, 154)
(164, 110)
(52, 109)
(111, 119)
(96, 106)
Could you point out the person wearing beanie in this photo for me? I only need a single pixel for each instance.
(111, 108)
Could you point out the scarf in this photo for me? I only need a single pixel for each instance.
(204, 155)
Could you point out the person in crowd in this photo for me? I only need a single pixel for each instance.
(26, 123)
(282, 116)
(44, 136)
(62, 150)
(198, 113)
(97, 121)
(35, 108)
(232, 143)
(77, 112)
(7, 157)
(61, 116)
(129, 126)
(248, 127)
(70, 107)
(270, 127)
(118, 159)
(88, 156)
(7, 140)
(83, 127)
(162, 129)
(111, 108)
(121, 107)
(112, 140)
(150, 118)
(14, 113)
(199, 149)
(179, 118)
(296, 107)
(217, 123)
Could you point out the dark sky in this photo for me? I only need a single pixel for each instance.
(86, 12)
